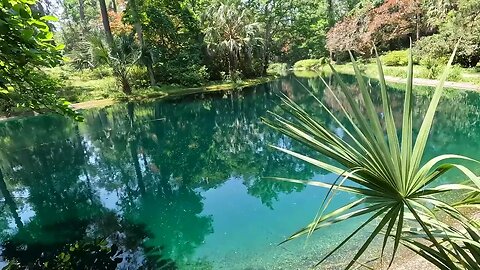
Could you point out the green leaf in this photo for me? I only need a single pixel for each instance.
(49, 18)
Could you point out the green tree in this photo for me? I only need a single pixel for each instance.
(292, 30)
(461, 22)
(121, 55)
(172, 40)
(26, 45)
(147, 54)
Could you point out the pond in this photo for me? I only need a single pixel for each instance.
(179, 184)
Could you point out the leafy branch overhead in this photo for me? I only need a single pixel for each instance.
(26, 45)
(396, 189)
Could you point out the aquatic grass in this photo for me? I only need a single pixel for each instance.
(397, 192)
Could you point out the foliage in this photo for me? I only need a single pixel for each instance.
(79, 255)
(118, 25)
(293, 30)
(309, 64)
(172, 34)
(139, 77)
(184, 69)
(395, 58)
(395, 187)
(436, 12)
(26, 44)
(101, 72)
(387, 26)
(182, 37)
(121, 56)
(232, 36)
(433, 66)
(277, 68)
(461, 23)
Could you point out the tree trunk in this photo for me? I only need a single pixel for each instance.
(10, 202)
(81, 10)
(331, 19)
(127, 89)
(266, 48)
(418, 27)
(114, 6)
(106, 22)
(231, 69)
(133, 150)
(139, 31)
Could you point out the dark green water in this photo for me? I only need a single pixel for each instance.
(178, 184)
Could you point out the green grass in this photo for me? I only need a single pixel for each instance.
(309, 64)
(81, 86)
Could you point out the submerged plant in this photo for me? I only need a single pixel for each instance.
(396, 190)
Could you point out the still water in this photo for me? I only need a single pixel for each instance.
(178, 184)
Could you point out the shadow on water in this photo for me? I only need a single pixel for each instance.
(133, 186)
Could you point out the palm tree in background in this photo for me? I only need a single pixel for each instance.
(231, 33)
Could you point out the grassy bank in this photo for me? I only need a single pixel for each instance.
(457, 74)
(394, 65)
(174, 91)
(98, 87)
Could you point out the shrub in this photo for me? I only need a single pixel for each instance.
(395, 58)
(183, 68)
(427, 49)
(433, 66)
(441, 45)
(186, 75)
(277, 68)
(309, 64)
(139, 77)
(455, 73)
(101, 72)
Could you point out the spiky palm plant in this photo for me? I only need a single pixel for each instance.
(396, 189)
(121, 55)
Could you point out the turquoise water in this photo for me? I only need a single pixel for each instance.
(178, 183)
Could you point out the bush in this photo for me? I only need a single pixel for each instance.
(138, 76)
(434, 66)
(277, 69)
(309, 64)
(395, 58)
(182, 68)
(441, 45)
(427, 49)
(455, 73)
(186, 75)
(101, 72)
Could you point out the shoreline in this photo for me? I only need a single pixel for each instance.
(157, 95)
(185, 91)
(177, 92)
(231, 86)
(468, 86)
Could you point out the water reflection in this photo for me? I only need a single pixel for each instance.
(129, 187)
